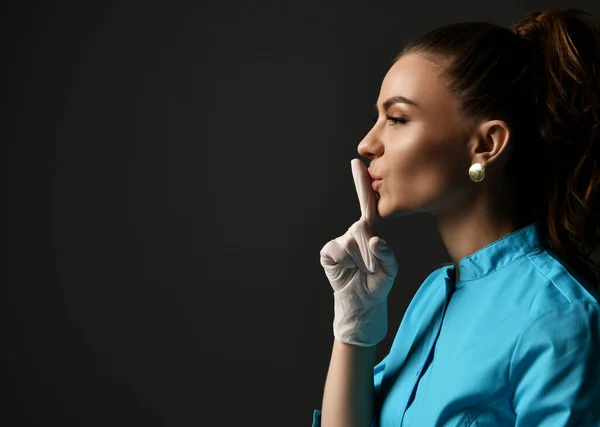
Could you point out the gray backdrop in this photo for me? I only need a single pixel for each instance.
(173, 170)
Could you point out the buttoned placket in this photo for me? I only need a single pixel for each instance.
(449, 291)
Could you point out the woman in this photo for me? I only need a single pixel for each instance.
(494, 132)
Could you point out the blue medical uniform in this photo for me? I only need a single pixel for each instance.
(515, 342)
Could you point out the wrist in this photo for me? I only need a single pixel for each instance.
(359, 325)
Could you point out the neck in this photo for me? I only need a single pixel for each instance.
(475, 226)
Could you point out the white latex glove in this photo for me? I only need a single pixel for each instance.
(361, 269)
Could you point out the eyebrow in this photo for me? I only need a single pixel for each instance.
(398, 99)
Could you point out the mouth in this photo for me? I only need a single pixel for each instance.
(375, 184)
(374, 176)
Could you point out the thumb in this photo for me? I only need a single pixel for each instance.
(385, 254)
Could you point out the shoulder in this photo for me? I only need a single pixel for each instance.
(531, 306)
(553, 304)
(546, 285)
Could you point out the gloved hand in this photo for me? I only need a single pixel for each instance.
(361, 269)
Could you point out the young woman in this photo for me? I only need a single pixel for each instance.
(495, 132)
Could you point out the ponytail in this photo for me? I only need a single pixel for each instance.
(566, 79)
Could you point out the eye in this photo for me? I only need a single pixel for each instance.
(396, 120)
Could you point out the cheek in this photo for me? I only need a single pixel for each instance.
(421, 177)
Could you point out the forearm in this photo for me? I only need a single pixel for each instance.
(349, 390)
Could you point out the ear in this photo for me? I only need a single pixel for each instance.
(491, 140)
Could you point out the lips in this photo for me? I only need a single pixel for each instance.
(375, 184)
(374, 176)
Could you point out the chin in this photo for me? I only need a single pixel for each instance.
(386, 211)
(383, 209)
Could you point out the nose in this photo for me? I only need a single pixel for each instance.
(370, 146)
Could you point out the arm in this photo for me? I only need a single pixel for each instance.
(378, 371)
(555, 369)
(349, 389)
(361, 268)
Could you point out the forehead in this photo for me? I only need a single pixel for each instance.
(416, 78)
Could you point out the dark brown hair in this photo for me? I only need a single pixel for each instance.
(542, 76)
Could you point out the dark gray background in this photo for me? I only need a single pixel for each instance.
(173, 170)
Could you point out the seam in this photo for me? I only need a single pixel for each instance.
(535, 319)
(548, 278)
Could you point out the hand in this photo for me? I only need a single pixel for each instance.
(361, 269)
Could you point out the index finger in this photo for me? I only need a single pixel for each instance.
(366, 195)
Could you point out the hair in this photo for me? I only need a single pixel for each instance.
(542, 77)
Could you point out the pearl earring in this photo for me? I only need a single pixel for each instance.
(476, 172)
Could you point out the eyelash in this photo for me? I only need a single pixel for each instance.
(396, 120)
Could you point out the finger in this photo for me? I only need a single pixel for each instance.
(334, 255)
(366, 195)
(385, 254)
(362, 233)
(353, 250)
(339, 267)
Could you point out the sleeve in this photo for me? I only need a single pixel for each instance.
(377, 376)
(555, 368)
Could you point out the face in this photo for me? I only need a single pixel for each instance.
(420, 151)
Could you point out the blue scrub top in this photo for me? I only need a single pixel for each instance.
(515, 342)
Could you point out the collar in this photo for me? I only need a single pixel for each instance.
(497, 254)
